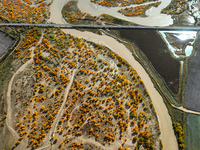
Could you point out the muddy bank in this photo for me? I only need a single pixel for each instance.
(5, 42)
(156, 51)
(192, 88)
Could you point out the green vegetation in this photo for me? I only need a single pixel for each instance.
(193, 130)
(179, 133)
(5, 74)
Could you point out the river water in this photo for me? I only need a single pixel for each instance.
(155, 18)
(165, 123)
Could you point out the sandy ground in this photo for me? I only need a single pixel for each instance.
(9, 119)
(58, 116)
(167, 133)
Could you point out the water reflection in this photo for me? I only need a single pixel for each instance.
(184, 35)
(180, 43)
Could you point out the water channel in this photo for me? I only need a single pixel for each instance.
(165, 123)
(154, 17)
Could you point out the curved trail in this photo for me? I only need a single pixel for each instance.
(63, 104)
(9, 110)
(59, 113)
(8, 94)
(167, 132)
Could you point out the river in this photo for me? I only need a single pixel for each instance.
(165, 123)
(154, 17)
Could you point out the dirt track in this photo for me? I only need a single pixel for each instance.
(167, 132)
(9, 118)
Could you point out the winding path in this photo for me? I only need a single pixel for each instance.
(8, 94)
(167, 133)
(9, 110)
(165, 123)
(63, 104)
(58, 116)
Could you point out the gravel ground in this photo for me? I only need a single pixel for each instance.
(192, 91)
(5, 42)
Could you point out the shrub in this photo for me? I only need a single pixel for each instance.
(119, 64)
(99, 60)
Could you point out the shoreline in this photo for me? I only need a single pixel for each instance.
(154, 17)
(165, 123)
